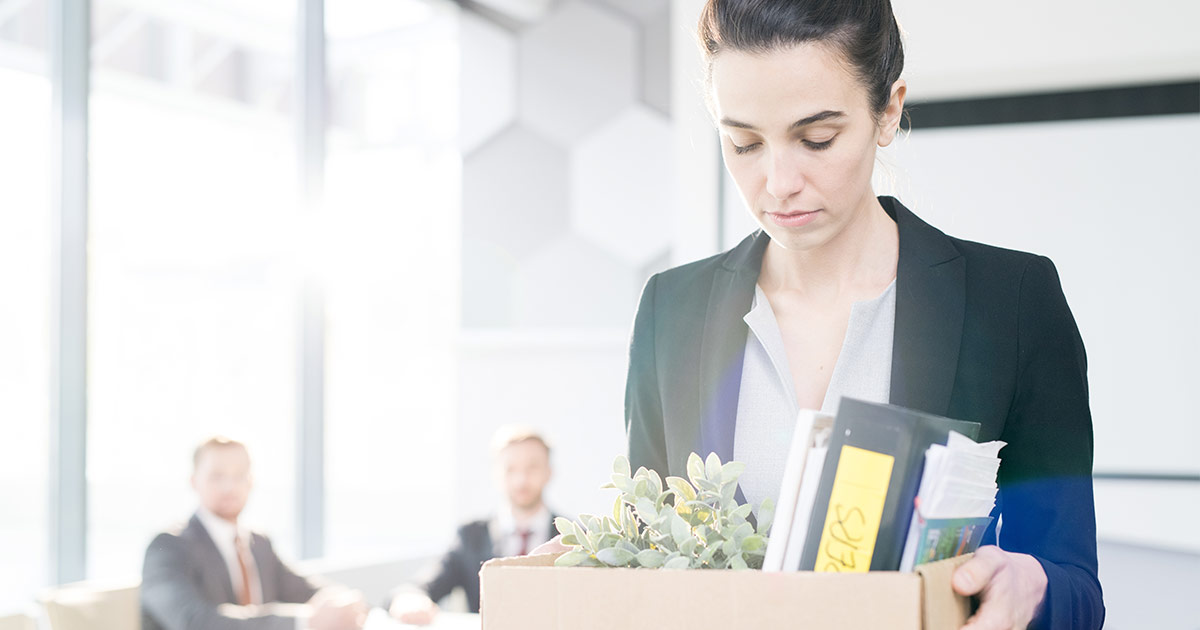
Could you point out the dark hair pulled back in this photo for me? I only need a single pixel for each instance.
(864, 31)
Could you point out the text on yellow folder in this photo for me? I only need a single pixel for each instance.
(855, 509)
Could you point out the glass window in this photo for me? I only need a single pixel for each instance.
(391, 274)
(194, 290)
(25, 300)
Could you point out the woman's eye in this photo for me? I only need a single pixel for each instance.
(746, 149)
(818, 146)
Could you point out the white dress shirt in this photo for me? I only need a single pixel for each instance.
(767, 405)
(505, 531)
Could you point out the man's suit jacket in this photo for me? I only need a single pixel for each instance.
(981, 334)
(185, 580)
(460, 565)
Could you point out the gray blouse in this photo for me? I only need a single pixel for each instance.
(767, 407)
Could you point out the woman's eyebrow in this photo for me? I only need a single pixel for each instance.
(807, 120)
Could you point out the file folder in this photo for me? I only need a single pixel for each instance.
(872, 471)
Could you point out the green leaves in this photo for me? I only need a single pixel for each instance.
(695, 468)
(678, 562)
(688, 523)
(712, 467)
(682, 489)
(621, 466)
(615, 556)
(766, 515)
(570, 559)
(731, 471)
(651, 558)
(680, 530)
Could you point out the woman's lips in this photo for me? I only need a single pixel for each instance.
(793, 219)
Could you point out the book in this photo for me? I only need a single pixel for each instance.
(804, 506)
(941, 538)
(863, 504)
(806, 455)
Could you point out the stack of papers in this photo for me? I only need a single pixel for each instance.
(954, 501)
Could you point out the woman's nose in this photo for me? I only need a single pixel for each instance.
(784, 177)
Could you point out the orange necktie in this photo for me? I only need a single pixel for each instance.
(244, 595)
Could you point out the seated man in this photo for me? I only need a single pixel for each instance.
(522, 468)
(215, 574)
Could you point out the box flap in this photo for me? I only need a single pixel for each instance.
(540, 560)
(943, 608)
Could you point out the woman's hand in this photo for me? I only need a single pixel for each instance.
(554, 545)
(1011, 587)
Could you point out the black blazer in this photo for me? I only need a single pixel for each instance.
(460, 565)
(185, 580)
(981, 334)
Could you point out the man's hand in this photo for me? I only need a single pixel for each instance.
(337, 609)
(413, 608)
(1011, 587)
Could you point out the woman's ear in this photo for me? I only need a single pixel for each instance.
(890, 122)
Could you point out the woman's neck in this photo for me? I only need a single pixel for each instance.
(860, 259)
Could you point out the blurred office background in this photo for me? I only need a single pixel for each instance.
(361, 235)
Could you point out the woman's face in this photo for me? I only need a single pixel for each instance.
(799, 139)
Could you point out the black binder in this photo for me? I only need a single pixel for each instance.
(903, 434)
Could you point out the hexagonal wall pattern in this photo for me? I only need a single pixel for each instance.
(488, 59)
(575, 283)
(577, 69)
(567, 168)
(621, 178)
(514, 192)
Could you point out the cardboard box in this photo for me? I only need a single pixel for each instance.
(530, 593)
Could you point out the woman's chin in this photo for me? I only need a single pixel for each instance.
(794, 239)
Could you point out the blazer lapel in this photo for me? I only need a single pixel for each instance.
(930, 304)
(267, 580)
(214, 562)
(485, 545)
(723, 345)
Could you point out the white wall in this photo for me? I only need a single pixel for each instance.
(956, 49)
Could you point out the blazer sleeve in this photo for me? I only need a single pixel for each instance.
(643, 402)
(1045, 475)
(170, 594)
(441, 579)
(293, 587)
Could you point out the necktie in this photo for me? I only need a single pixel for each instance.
(244, 594)
(524, 534)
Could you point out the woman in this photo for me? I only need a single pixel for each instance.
(845, 293)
